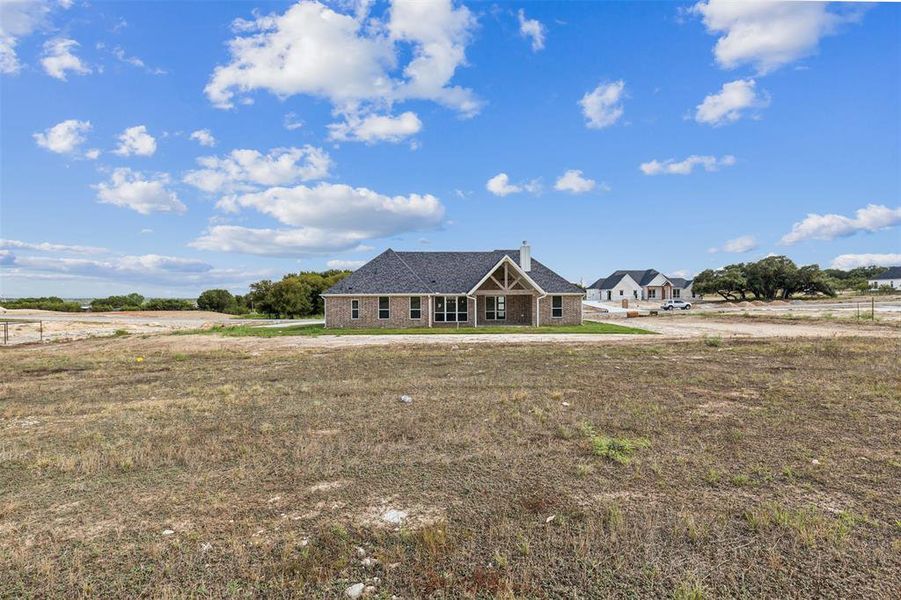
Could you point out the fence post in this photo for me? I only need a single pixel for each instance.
(5, 332)
(42, 330)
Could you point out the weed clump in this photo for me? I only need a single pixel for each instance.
(713, 341)
(616, 449)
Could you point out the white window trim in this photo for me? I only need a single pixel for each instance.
(496, 309)
(419, 318)
(553, 316)
(456, 313)
(379, 309)
(352, 301)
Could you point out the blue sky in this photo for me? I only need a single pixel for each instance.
(172, 147)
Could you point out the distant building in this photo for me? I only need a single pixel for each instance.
(648, 284)
(890, 277)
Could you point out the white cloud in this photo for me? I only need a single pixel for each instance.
(320, 219)
(744, 243)
(147, 269)
(572, 181)
(17, 20)
(376, 128)
(846, 262)
(135, 140)
(134, 61)
(349, 265)
(532, 29)
(204, 137)
(603, 106)
(730, 103)
(686, 167)
(58, 59)
(50, 247)
(291, 122)
(63, 138)
(360, 64)
(871, 218)
(245, 170)
(92, 154)
(683, 273)
(342, 207)
(308, 241)
(130, 189)
(766, 35)
(500, 185)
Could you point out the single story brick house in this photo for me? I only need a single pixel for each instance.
(648, 284)
(453, 289)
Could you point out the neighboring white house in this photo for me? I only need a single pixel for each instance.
(648, 284)
(890, 277)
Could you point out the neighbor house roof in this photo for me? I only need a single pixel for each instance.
(680, 282)
(641, 278)
(439, 273)
(890, 273)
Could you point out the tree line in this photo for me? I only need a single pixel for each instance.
(132, 301)
(295, 295)
(774, 277)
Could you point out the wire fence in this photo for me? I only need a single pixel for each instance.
(13, 327)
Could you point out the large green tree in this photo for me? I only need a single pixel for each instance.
(259, 299)
(771, 277)
(216, 300)
(767, 279)
(729, 282)
(291, 297)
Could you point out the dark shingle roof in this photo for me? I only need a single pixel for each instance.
(640, 277)
(890, 273)
(680, 282)
(439, 272)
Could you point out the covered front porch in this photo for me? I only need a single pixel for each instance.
(507, 297)
(659, 292)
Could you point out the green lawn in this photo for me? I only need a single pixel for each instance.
(316, 330)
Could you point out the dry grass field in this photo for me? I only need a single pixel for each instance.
(688, 469)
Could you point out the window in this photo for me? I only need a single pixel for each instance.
(620, 292)
(449, 309)
(635, 294)
(677, 293)
(557, 307)
(495, 308)
(354, 309)
(415, 307)
(608, 294)
(652, 293)
(384, 310)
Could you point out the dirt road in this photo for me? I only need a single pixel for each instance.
(66, 326)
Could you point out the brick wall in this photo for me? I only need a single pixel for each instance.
(337, 312)
(572, 311)
(519, 310)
